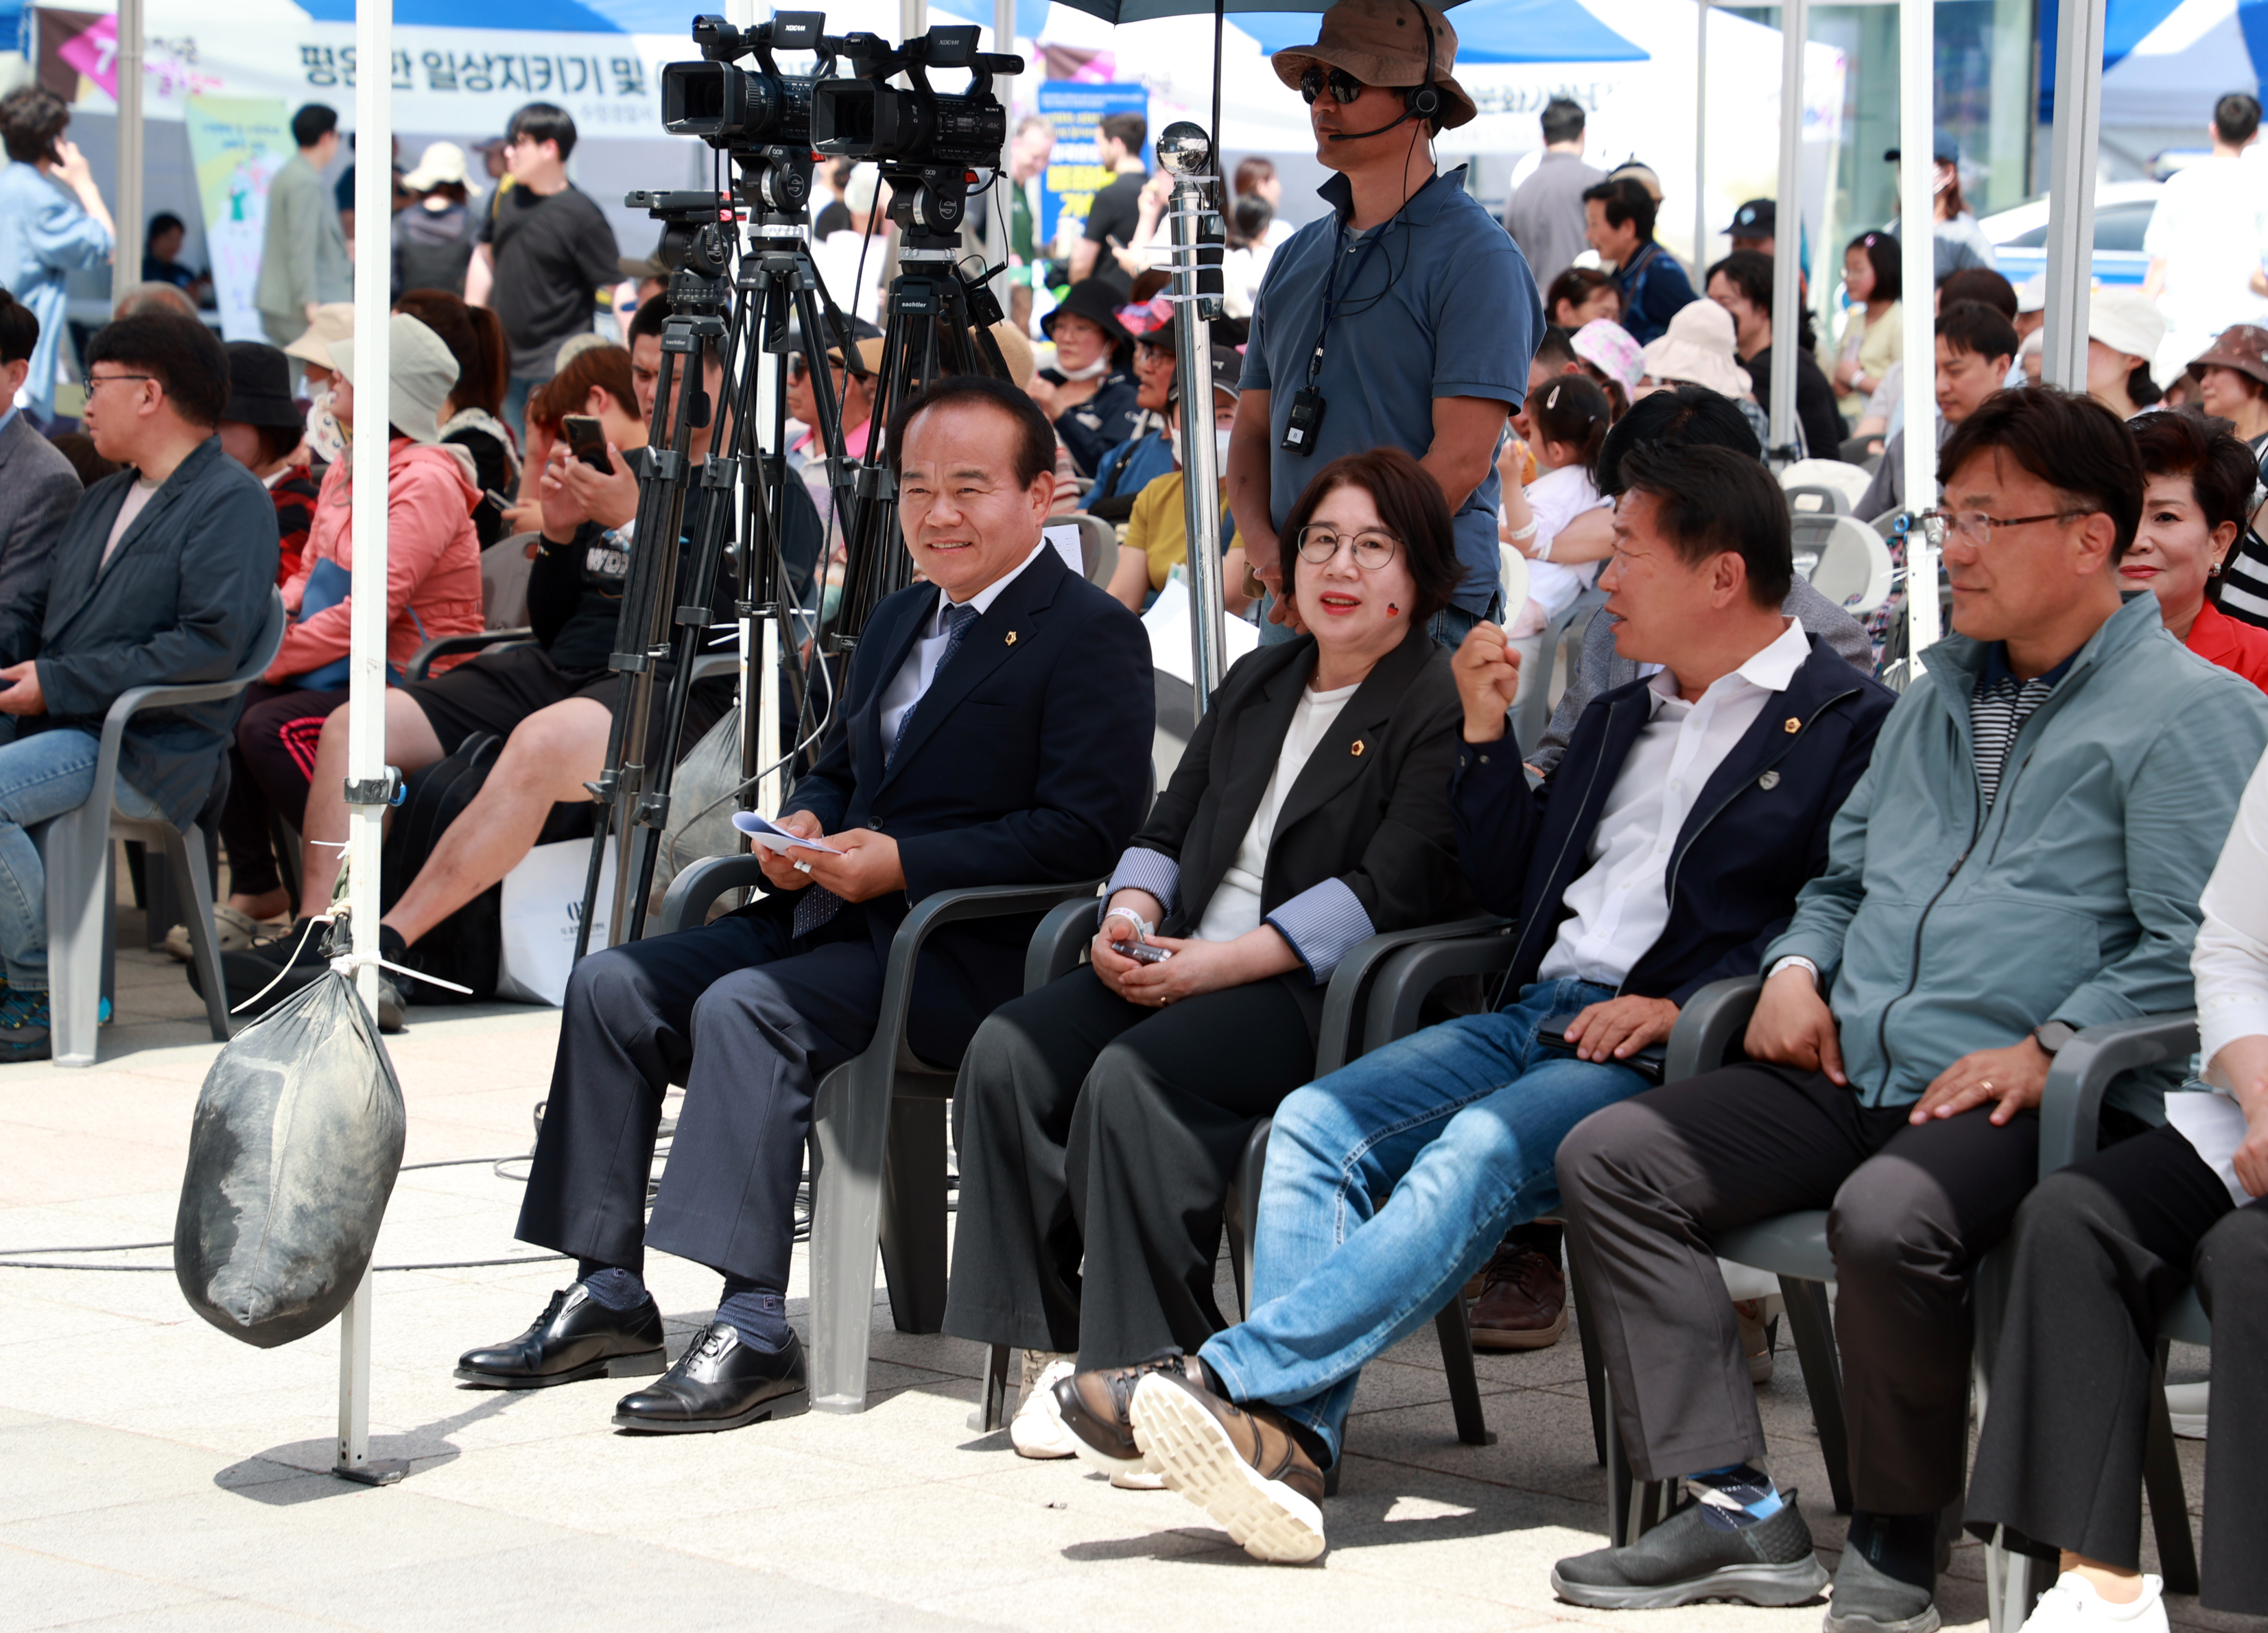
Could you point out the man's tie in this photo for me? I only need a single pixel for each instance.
(817, 903)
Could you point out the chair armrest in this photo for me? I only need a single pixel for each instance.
(423, 660)
(1411, 973)
(1708, 1024)
(1054, 952)
(1337, 1043)
(932, 914)
(2071, 1105)
(691, 892)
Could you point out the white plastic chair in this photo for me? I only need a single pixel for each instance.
(1846, 561)
(75, 849)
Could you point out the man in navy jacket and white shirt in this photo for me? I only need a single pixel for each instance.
(995, 729)
(1664, 854)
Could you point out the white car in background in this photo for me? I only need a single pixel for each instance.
(2019, 235)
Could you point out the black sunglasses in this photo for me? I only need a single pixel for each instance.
(1344, 87)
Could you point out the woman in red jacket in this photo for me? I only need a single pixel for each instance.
(2198, 488)
(433, 589)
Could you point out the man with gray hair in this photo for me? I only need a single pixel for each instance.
(1545, 216)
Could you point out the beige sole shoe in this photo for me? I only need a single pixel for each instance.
(1266, 1517)
(233, 932)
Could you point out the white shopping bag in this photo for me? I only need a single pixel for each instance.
(542, 900)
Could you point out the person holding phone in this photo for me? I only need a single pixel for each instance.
(53, 222)
(1105, 1113)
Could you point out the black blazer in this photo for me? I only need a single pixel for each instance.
(180, 601)
(1370, 807)
(1026, 762)
(1766, 814)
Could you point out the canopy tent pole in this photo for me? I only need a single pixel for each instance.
(126, 254)
(369, 784)
(1700, 136)
(1185, 150)
(913, 19)
(2071, 192)
(1003, 202)
(1917, 271)
(1787, 256)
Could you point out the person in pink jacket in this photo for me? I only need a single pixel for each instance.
(433, 589)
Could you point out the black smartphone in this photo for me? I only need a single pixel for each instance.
(1648, 1063)
(587, 440)
(1141, 952)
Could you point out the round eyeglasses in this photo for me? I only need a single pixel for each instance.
(1373, 549)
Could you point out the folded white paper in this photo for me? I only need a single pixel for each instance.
(772, 837)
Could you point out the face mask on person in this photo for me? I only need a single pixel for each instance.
(1220, 449)
(1093, 370)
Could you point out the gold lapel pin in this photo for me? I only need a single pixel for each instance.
(1792, 725)
(1012, 637)
(1356, 750)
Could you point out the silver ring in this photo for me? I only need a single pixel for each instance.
(803, 867)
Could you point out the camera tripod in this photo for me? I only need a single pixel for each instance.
(772, 303)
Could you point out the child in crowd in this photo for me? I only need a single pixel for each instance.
(1564, 424)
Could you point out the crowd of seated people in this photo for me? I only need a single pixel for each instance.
(2061, 823)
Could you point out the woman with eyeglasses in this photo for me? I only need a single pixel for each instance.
(1104, 1114)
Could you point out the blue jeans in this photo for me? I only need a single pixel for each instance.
(41, 776)
(516, 393)
(1449, 628)
(1462, 1122)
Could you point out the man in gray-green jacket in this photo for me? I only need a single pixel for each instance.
(303, 252)
(2022, 858)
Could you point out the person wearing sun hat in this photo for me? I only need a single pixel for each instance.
(1610, 356)
(2123, 331)
(1404, 317)
(1088, 392)
(2232, 376)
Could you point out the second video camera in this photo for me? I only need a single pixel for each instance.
(860, 117)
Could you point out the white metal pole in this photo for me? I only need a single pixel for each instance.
(1787, 256)
(1701, 137)
(367, 621)
(913, 19)
(126, 254)
(1002, 203)
(1185, 150)
(1918, 271)
(2071, 192)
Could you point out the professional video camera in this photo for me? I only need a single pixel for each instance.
(760, 116)
(919, 135)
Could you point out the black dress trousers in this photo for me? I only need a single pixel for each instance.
(2102, 1249)
(1101, 1134)
(749, 1021)
(1910, 1212)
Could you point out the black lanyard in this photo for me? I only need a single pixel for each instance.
(1330, 282)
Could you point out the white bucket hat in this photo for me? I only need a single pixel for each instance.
(422, 373)
(2127, 322)
(1698, 348)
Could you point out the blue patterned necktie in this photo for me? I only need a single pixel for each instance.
(817, 904)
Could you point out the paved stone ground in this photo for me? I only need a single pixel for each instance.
(156, 1475)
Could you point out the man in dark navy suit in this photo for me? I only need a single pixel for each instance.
(996, 730)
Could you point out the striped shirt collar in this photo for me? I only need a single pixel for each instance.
(1997, 674)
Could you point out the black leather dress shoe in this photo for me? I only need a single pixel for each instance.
(720, 1383)
(576, 1338)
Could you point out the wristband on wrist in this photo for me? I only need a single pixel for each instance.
(1796, 961)
(1521, 535)
(1143, 928)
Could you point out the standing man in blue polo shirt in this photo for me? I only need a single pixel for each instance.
(1405, 317)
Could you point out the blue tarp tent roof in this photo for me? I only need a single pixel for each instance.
(2127, 23)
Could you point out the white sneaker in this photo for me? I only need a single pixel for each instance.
(2185, 1404)
(2073, 1605)
(1037, 1429)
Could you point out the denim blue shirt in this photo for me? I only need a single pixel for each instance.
(1443, 306)
(44, 234)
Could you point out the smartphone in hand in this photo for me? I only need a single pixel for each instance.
(1141, 952)
(586, 439)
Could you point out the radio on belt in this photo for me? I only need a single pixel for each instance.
(1307, 419)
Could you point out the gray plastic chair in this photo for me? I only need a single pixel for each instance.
(1374, 997)
(421, 662)
(75, 849)
(1098, 544)
(1560, 647)
(878, 1138)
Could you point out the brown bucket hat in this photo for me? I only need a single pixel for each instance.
(1379, 42)
(2244, 348)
